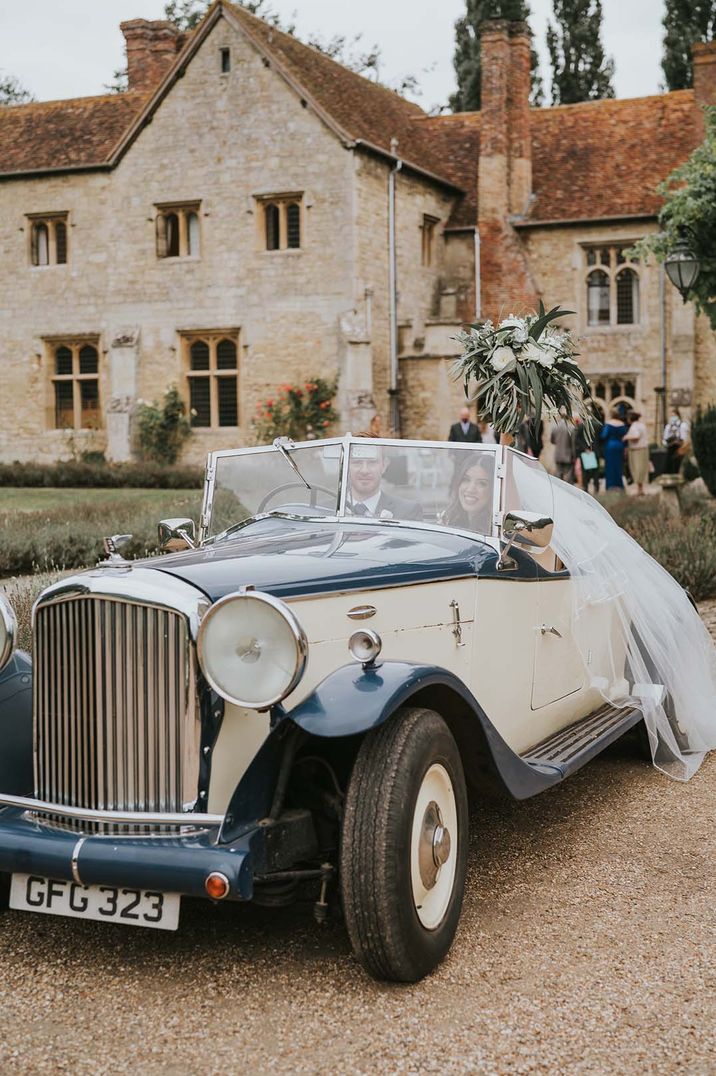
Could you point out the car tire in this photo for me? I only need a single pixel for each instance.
(402, 877)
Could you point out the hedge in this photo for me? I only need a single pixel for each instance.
(81, 474)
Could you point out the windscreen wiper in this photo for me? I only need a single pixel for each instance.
(283, 444)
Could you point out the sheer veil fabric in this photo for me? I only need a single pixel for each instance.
(635, 629)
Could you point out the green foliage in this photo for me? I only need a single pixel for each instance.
(120, 81)
(690, 201)
(685, 22)
(12, 92)
(580, 69)
(162, 429)
(703, 440)
(76, 474)
(21, 593)
(466, 58)
(298, 411)
(70, 535)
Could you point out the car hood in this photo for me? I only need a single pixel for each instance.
(289, 558)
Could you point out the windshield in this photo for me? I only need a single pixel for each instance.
(446, 484)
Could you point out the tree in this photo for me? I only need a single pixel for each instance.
(12, 92)
(685, 22)
(187, 14)
(690, 201)
(580, 69)
(466, 58)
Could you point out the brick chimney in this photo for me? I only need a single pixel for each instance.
(505, 167)
(704, 60)
(519, 82)
(151, 50)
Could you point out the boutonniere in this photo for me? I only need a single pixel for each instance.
(385, 514)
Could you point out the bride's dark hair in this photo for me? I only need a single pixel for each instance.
(455, 514)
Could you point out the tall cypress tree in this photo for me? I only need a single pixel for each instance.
(466, 59)
(580, 69)
(685, 22)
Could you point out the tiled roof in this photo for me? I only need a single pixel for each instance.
(64, 134)
(361, 108)
(605, 158)
(589, 161)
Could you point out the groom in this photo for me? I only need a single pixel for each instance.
(367, 497)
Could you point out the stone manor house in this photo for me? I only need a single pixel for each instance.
(252, 213)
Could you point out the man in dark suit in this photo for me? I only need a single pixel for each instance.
(464, 430)
(367, 497)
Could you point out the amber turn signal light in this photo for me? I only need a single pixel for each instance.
(217, 885)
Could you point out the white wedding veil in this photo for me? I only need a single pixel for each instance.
(634, 626)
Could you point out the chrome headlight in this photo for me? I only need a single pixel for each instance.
(252, 650)
(8, 631)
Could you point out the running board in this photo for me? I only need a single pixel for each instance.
(567, 750)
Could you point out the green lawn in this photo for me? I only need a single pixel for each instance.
(38, 499)
(55, 529)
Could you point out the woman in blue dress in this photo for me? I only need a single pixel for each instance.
(612, 437)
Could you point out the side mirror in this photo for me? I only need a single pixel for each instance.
(176, 534)
(529, 528)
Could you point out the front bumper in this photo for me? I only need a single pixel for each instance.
(170, 864)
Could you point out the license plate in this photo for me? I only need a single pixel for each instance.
(133, 907)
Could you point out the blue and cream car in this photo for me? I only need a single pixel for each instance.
(299, 693)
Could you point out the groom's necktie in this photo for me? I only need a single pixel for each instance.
(359, 509)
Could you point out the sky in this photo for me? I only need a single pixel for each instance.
(70, 48)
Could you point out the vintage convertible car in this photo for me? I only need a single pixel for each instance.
(301, 692)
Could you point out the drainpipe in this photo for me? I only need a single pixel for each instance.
(662, 307)
(393, 286)
(478, 277)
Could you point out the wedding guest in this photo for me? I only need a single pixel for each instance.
(465, 430)
(612, 436)
(471, 489)
(563, 439)
(637, 442)
(530, 438)
(587, 456)
(676, 436)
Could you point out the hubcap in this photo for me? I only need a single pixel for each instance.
(433, 857)
(434, 847)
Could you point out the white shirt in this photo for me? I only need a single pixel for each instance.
(371, 504)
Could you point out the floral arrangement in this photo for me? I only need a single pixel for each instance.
(302, 412)
(521, 367)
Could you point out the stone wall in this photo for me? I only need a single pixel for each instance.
(221, 139)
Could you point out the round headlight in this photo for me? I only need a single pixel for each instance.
(252, 649)
(8, 631)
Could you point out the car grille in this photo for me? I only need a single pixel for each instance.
(114, 706)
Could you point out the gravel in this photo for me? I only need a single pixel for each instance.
(587, 945)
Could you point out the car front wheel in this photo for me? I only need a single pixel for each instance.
(404, 846)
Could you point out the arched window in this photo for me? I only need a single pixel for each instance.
(171, 224)
(40, 244)
(76, 386)
(213, 381)
(271, 215)
(63, 360)
(627, 297)
(293, 225)
(192, 221)
(60, 242)
(598, 298)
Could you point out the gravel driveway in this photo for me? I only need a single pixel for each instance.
(587, 944)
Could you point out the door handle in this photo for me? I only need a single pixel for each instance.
(549, 629)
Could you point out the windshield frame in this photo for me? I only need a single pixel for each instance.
(341, 514)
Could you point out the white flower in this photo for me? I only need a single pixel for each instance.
(517, 327)
(532, 352)
(503, 359)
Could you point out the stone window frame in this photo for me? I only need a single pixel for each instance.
(177, 230)
(75, 344)
(213, 374)
(57, 242)
(224, 59)
(608, 258)
(281, 214)
(610, 389)
(428, 237)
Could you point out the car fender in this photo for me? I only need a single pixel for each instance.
(16, 725)
(354, 700)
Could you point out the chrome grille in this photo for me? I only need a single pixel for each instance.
(115, 718)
